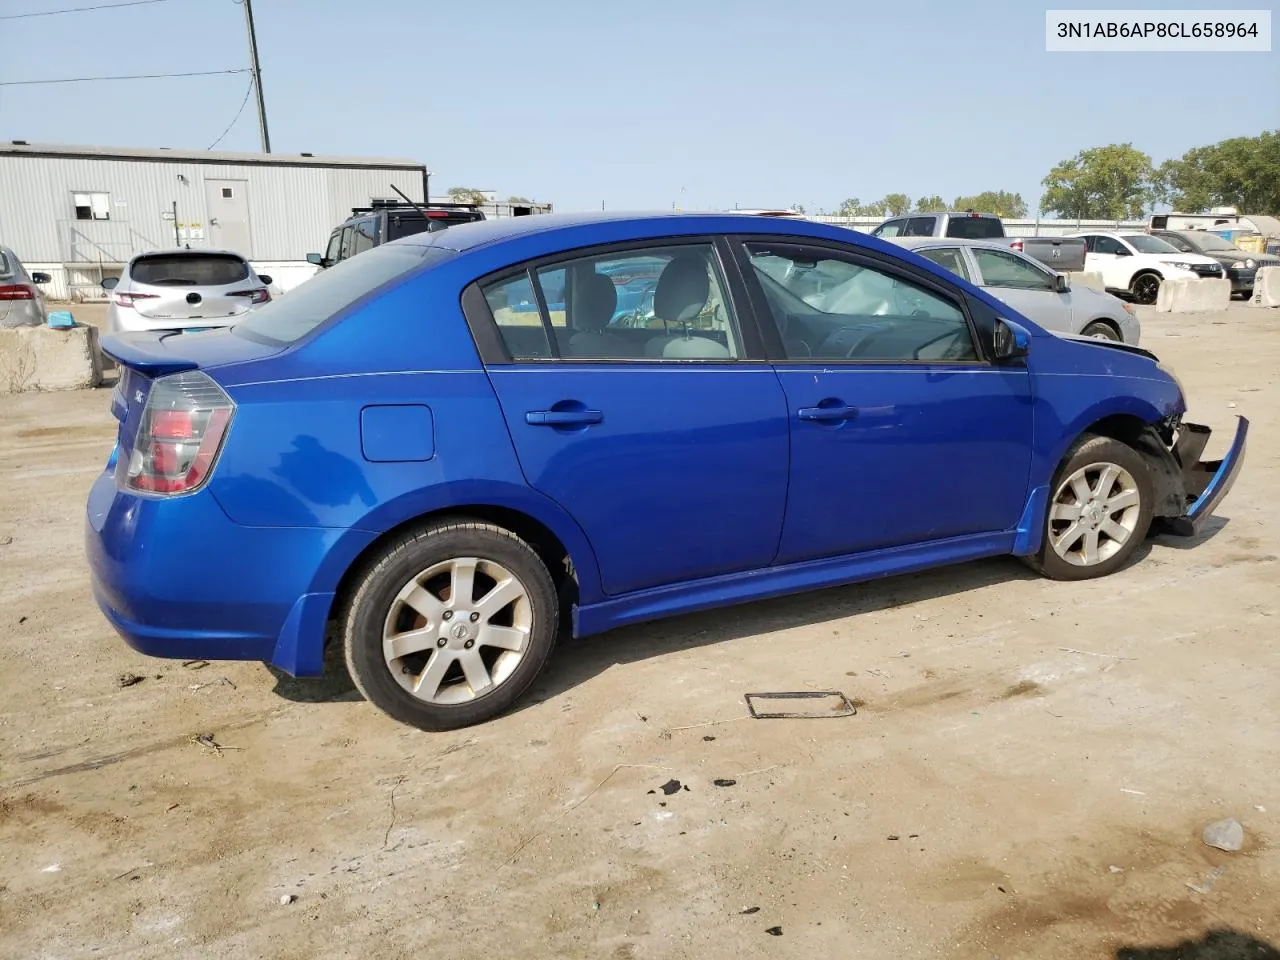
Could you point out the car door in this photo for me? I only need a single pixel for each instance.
(651, 428)
(1027, 288)
(1107, 256)
(901, 431)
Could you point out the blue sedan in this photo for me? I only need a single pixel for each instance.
(432, 450)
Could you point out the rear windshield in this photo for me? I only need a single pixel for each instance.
(407, 225)
(975, 228)
(189, 269)
(291, 317)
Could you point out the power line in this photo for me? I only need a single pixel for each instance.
(236, 117)
(136, 76)
(101, 6)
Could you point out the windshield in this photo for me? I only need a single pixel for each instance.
(1211, 241)
(1144, 243)
(291, 317)
(189, 270)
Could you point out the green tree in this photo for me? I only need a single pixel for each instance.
(931, 204)
(896, 204)
(852, 207)
(466, 195)
(877, 209)
(1242, 172)
(1000, 202)
(1114, 182)
(514, 198)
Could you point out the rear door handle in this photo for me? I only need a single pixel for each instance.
(827, 414)
(561, 418)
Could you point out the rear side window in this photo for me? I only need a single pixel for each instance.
(948, 258)
(188, 270)
(975, 228)
(5, 268)
(291, 317)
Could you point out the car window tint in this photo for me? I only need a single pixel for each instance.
(974, 228)
(188, 269)
(827, 307)
(1106, 245)
(653, 303)
(948, 258)
(289, 318)
(920, 227)
(1000, 269)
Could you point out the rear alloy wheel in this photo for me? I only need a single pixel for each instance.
(1100, 330)
(1099, 511)
(1145, 287)
(451, 625)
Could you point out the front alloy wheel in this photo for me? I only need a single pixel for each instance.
(1146, 287)
(1099, 510)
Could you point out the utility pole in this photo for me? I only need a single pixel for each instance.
(257, 77)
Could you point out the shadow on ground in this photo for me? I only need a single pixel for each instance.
(1214, 945)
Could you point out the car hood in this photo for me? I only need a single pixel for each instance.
(1109, 345)
(1184, 258)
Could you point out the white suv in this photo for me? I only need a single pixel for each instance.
(1137, 263)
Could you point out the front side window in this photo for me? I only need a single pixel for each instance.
(1108, 245)
(650, 303)
(288, 319)
(331, 255)
(1000, 269)
(890, 228)
(830, 307)
(948, 258)
(364, 237)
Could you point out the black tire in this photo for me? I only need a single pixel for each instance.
(1090, 450)
(1145, 287)
(1101, 329)
(404, 560)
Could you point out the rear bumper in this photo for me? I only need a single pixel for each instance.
(1207, 482)
(178, 579)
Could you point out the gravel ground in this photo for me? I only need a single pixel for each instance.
(1028, 773)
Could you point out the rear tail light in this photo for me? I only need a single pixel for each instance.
(260, 295)
(129, 299)
(179, 436)
(1016, 245)
(16, 291)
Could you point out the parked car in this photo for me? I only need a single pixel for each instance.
(1063, 254)
(1241, 267)
(368, 227)
(1046, 297)
(438, 497)
(21, 302)
(1137, 263)
(189, 290)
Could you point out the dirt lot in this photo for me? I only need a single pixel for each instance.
(1028, 773)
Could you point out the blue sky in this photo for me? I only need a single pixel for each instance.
(701, 103)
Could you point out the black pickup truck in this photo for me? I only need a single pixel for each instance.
(388, 220)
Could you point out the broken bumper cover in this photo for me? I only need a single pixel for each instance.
(1207, 482)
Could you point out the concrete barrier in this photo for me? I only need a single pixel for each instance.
(1087, 278)
(1266, 288)
(40, 358)
(1193, 296)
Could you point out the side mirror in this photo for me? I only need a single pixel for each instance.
(1122, 252)
(40, 278)
(1011, 341)
(266, 280)
(110, 283)
(1063, 283)
(316, 259)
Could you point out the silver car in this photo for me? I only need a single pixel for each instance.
(21, 303)
(184, 290)
(1031, 288)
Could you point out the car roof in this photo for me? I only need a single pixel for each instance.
(469, 236)
(913, 243)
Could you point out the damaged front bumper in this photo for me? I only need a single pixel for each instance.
(1204, 482)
